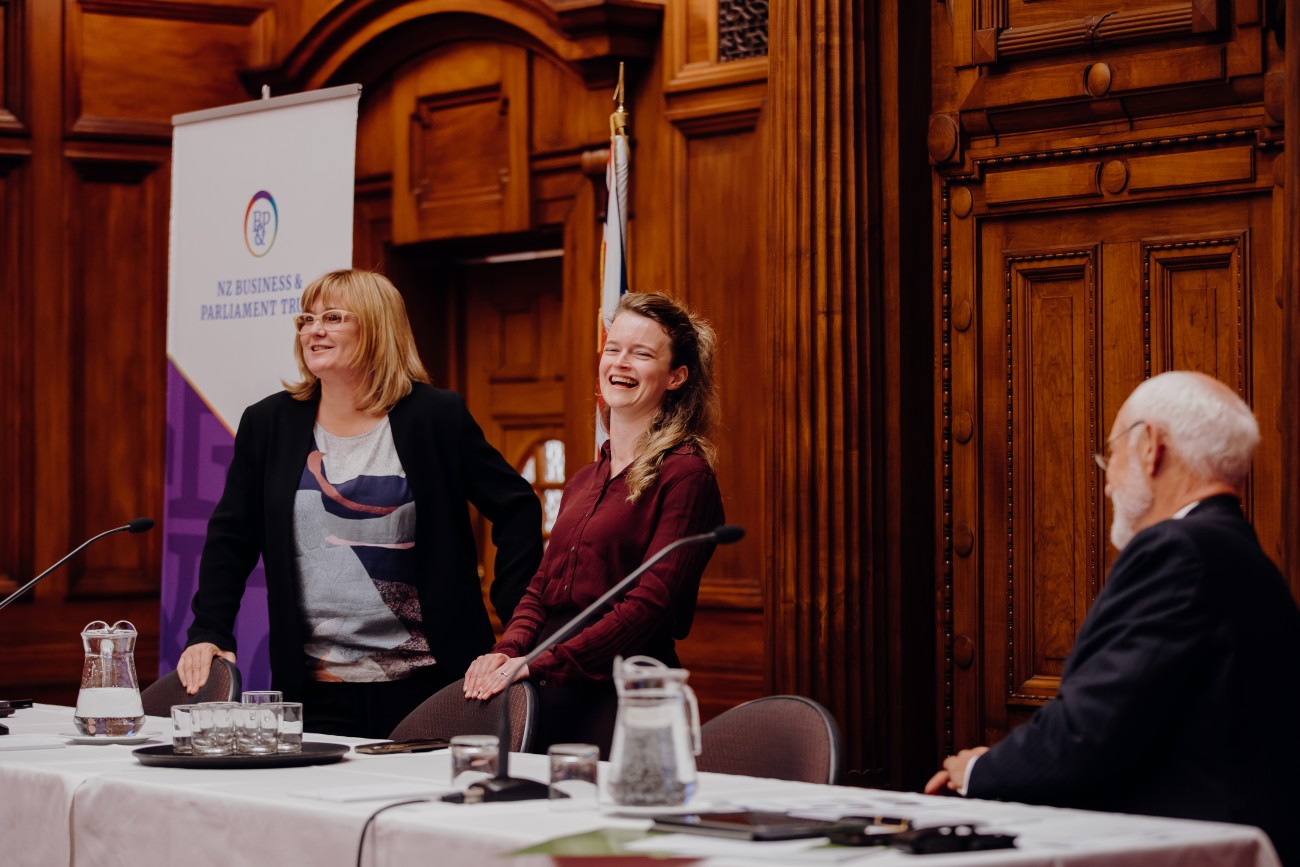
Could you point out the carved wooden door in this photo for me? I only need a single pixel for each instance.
(1105, 193)
(514, 374)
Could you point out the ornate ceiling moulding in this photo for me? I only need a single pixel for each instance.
(241, 14)
(364, 39)
(582, 18)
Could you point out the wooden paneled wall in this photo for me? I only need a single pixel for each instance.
(475, 139)
(850, 608)
(1109, 191)
(481, 131)
(940, 241)
(85, 172)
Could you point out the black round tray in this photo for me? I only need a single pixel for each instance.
(313, 753)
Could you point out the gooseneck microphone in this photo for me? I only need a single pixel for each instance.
(503, 787)
(137, 525)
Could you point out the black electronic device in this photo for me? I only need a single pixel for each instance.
(749, 825)
(950, 838)
(504, 787)
(868, 830)
(419, 745)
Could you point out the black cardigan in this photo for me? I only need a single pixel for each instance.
(448, 464)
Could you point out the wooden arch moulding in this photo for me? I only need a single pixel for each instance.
(587, 35)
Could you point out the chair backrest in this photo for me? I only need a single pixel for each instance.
(448, 713)
(785, 737)
(224, 684)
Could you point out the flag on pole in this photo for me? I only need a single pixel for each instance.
(613, 246)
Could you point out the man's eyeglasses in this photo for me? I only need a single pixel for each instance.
(330, 320)
(1103, 457)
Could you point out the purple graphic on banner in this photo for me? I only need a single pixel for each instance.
(199, 450)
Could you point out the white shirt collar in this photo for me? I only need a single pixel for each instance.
(1182, 513)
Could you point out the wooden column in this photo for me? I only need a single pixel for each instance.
(821, 551)
(850, 374)
(1290, 300)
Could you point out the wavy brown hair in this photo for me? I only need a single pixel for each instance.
(385, 350)
(689, 414)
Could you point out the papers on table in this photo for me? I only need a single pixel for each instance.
(395, 791)
(812, 850)
(921, 811)
(32, 742)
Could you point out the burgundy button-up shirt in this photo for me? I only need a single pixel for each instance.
(598, 539)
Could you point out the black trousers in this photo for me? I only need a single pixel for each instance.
(368, 710)
(582, 714)
(585, 713)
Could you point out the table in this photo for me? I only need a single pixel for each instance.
(97, 805)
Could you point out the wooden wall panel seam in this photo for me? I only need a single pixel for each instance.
(983, 163)
(95, 577)
(13, 57)
(242, 13)
(256, 16)
(1236, 251)
(718, 75)
(1058, 263)
(17, 441)
(946, 479)
(1289, 279)
(739, 116)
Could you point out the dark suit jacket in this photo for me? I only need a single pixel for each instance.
(448, 464)
(1180, 697)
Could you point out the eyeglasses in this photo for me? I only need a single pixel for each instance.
(1103, 457)
(330, 320)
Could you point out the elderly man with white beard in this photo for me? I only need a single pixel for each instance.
(1181, 695)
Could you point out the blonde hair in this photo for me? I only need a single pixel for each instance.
(385, 350)
(689, 414)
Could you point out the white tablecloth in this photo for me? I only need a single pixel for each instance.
(97, 805)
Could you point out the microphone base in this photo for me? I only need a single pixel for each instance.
(506, 789)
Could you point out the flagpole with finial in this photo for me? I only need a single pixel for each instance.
(613, 243)
(618, 120)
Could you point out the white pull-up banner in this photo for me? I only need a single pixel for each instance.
(262, 198)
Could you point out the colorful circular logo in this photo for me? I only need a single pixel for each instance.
(261, 222)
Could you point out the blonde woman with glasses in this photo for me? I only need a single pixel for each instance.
(352, 485)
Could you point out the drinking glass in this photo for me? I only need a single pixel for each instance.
(289, 739)
(181, 729)
(573, 775)
(473, 758)
(212, 728)
(261, 696)
(257, 729)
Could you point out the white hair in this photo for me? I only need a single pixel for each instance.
(1211, 429)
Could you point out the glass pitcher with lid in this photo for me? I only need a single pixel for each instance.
(656, 735)
(109, 702)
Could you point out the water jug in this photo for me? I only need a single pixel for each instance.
(109, 701)
(656, 735)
